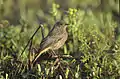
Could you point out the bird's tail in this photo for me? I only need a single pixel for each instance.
(40, 52)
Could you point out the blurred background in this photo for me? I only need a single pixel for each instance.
(29, 10)
(93, 42)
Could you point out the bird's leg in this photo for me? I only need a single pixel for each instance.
(57, 66)
(56, 63)
(53, 53)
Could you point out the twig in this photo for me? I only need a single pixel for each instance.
(30, 39)
(42, 31)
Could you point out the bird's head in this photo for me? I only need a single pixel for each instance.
(61, 24)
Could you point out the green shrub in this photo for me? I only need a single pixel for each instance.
(92, 48)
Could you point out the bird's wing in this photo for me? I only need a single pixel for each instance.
(45, 45)
(49, 41)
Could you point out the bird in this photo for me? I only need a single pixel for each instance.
(54, 40)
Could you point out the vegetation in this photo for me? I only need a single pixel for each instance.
(92, 50)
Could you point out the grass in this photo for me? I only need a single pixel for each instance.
(92, 48)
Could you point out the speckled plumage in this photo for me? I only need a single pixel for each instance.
(54, 40)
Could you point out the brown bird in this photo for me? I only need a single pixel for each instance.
(54, 40)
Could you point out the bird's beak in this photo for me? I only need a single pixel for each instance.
(67, 25)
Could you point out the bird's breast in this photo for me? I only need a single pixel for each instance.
(61, 41)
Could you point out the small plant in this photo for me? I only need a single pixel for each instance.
(91, 51)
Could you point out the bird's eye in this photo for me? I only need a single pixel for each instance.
(61, 24)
